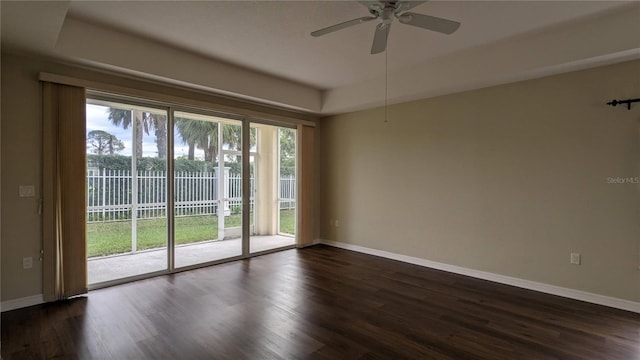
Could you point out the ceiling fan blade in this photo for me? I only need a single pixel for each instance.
(408, 5)
(380, 38)
(429, 22)
(343, 25)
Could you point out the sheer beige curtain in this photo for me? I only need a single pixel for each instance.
(64, 208)
(307, 179)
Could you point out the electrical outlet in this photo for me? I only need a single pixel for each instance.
(575, 258)
(27, 262)
(337, 223)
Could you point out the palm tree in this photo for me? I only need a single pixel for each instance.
(159, 123)
(204, 135)
(184, 129)
(122, 118)
(235, 138)
(200, 134)
(144, 121)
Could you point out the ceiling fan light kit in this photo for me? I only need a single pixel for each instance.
(386, 11)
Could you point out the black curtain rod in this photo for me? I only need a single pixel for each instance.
(628, 102)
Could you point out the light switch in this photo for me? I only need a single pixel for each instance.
(575, 258)
(27, 191)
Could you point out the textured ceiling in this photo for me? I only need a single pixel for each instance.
(262, 50)
(273, 36)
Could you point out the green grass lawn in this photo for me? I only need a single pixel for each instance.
(288, 221)
(114, 237)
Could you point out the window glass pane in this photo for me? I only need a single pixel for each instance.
(208, 193)
(126, 190)
(287, 182)
(272, 166)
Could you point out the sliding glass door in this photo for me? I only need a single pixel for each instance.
(126, 190)
(208, 188)
(273, 170)
(147, 215)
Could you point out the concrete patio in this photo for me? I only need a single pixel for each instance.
(107, 268)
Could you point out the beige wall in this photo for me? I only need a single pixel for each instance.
(509, 179)
(21, 161)
(21, 165)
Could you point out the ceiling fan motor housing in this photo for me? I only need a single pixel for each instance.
(385, 10)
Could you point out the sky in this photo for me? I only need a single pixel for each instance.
(98, 119)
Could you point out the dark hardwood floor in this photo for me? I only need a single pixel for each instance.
(323, 303)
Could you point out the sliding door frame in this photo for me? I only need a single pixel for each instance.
(126, 100)
(246, 122)
(278, 126)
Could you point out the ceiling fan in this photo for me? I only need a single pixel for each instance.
(386, 11)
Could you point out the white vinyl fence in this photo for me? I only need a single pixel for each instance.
(110, 194)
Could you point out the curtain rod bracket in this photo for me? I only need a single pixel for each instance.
(627, 101)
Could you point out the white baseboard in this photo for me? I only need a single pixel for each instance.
(508, 280)
(21, 302)
(314, 242)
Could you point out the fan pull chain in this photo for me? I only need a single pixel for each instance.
(386, 82)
